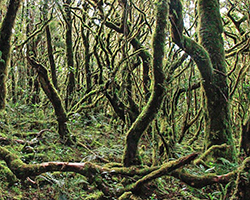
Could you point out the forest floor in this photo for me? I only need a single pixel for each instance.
(99, 137)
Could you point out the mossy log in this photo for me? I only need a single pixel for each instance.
(197, 181)
(22, 170)
(94, 173)
(165, 169)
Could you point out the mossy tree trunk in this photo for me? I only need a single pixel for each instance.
(5, 37)
(134, 134)
(55, 99)
(218, 124)
(245, 137)
(69, 55)
(49, 46)
(210, 59)
(85, 33)
(32, 82)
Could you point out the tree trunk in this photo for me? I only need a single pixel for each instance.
(210, 59)
(55, 99)
(5, 38)
(245, 137)
(218, 122)
(69, 55)
(49, 47)
(134, 134)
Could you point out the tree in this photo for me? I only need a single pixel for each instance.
(50, 47)
(210, 59)
(5, 46)
(69, 55)
(195, 56)
(134, 134)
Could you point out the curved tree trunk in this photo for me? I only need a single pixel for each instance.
(5, 37)
(55, 99)
(210, 59)
(134, 134)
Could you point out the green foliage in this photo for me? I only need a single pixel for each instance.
(246, 90)
(1, 60)
(115, 44)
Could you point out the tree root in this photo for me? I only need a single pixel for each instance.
(101, 175)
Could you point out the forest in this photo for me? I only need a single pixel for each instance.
(125, 99)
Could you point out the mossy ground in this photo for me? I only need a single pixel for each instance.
(101, 137)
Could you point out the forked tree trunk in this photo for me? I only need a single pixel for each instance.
(210, 59)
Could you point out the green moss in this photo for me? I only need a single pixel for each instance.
(95, 196)
(131, 154)
(128, 196)
(7, 175)
(5, 38)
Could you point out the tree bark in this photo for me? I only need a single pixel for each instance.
(218, 125)
(131, 156)
(85, 33)
(245, 137)
(49, 47)
(5, 38)
(55, 99)
(69, 55)
(210, 59)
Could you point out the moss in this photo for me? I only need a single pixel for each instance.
(131, 155)
(7, 175)
(128, 196)
(31, 156)
(56, 101)
(95, 196)
(209, 55)
(5, 38)
(218, 128)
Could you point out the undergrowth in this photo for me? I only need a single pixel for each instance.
(100, 137)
